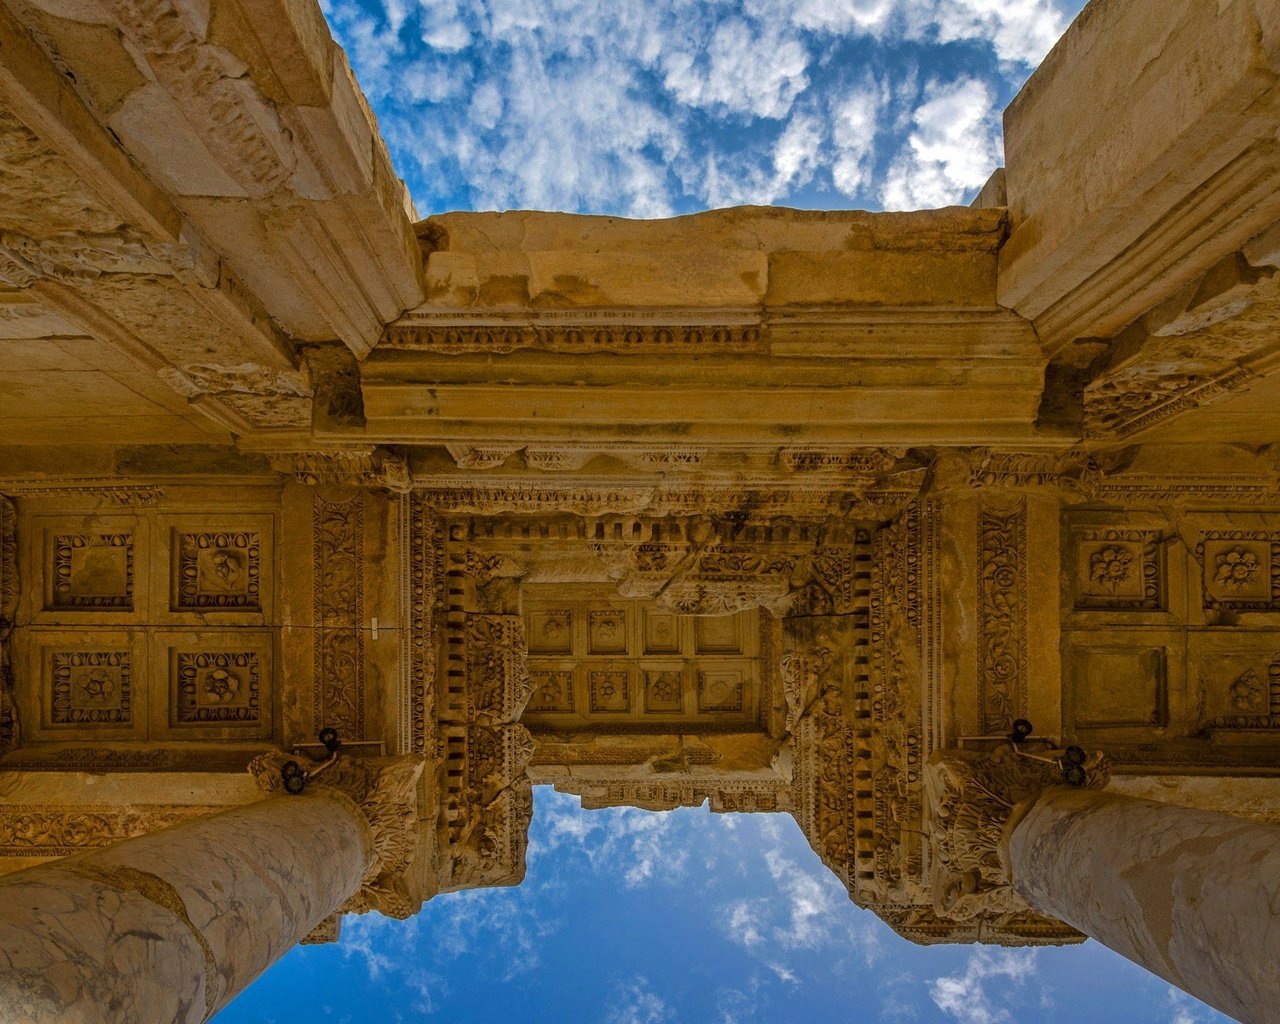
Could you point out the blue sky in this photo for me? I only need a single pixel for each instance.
(653, 108)
(632, 917)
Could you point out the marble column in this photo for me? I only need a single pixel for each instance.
(1191, 895)
(172, 925)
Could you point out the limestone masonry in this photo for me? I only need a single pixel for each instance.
(326, 532)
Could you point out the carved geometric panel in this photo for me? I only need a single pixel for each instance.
(607, 631)
(1237, 680)
(721, 690)
(220, 684)
(661, 632)
(90, 687)
(551, 631)
(720, 634)
(82, 685)
(1118, 569)
(664, 690)
(217, 686)
(601, 661)
(610, 690)
(1116, 687)
(91, 572)
(552, 690)
(1241, 569)
(216, 570)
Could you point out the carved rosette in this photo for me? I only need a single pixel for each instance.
(970, 800)
(385, 791)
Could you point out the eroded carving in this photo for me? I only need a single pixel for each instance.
(1002, 616)
(357, 467)
(969, 798)
(338, 653)
(218, 570)
(92, 571)
(385, 790)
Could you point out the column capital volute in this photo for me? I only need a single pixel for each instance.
(972, 799)
(385, 792)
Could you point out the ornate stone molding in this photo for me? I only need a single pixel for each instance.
(579, 331)
(338, 587)
(1121, 406)
(39, 830)
(970, 800)
(368, 466)
(119, 492)
(385, 791)
(1002, 616)
(807, 500)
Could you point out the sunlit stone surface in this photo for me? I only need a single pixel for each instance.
(781, 510)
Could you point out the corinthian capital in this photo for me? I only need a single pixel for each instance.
(971, 799)
(385, 792)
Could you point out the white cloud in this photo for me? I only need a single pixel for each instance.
(1018, 30)
(643, 107)
(953, 147)
(637, 1003)
(965, 997)
(743, 69)
(854, 125)
(1185, 1010)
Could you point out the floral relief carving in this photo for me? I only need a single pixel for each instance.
(218, 571)
(1002, 615)
(1241, 569)
(338, 652)
(1236, 568)
(90, 688)
(1247, 691)
(28, 830)
(1111, 567)
(218, 686)
(1252, 700)
(1120, 569)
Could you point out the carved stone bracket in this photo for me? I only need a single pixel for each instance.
(970, 799)
(385, 790)
(367, 466)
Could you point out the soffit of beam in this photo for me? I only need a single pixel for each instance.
(1141, 153)
(247, 116)
(757, 324)
(85, 236)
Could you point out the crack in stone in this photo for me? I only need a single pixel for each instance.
(163, 894)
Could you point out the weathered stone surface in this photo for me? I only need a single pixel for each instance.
(171, 926)
(778, 510)
(1190, 895)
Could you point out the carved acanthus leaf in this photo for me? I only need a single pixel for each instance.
(969, 799)
(386, 792)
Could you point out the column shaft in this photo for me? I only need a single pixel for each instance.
(1191, 895)
(170, 926)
